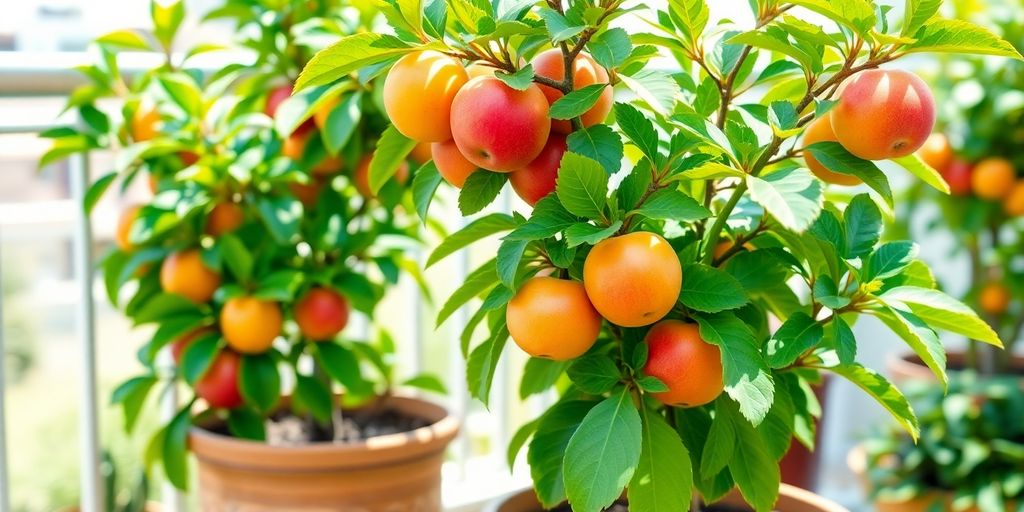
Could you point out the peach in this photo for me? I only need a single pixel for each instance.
(585, 71)
(537, 179)
(883, 114)
(418, 94)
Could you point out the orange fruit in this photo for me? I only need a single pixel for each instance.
(634, 279)
(683, 361)
(185, 274)
(250, 325)
(820, 130)
(553, 319)
(993, 178)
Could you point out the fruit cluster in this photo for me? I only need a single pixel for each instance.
(473, 120)
(992, 179)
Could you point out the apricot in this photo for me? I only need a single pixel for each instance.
(820, 130)
(219, 385)
(250, 325)
(418, 94)
(306, 193)
(124, 227)
(537, 179)
(422, 152)
(451, 163)
(1013, 205)
(185, 274)
(224, 218)
(683, 361)
(958, 175)
(499, 128)
(634, 279)
(992, 178)
(994, 298)
(321, 314)
(180, 345)
(585, 71)
(883, 114)
(553, 319)
(145, 124)
(361, 176)
(936, 152)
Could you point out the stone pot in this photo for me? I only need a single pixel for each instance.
(397, 472)
(791, 499)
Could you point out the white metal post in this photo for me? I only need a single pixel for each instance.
(91, 485)
(5, 497)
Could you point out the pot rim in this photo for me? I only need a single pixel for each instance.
(909, 363)
(429, 440)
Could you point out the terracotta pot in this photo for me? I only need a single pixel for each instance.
(909, 367)
(791, 499)
(857, 460)
(398, 472)
(151, 506)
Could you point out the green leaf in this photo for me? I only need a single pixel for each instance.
(775, 41)
(167, 17)
(341, 365)
(863, 222)
(710, 290)
(940, 310)
(483, 362)
(603, 454)
(721, 443)
(925, 172)
(427, 383)
(655, 88)
(281, 215)
(478, 281)
(350, 54)
(582, 186)
(888, 260)
(837, 159)
(690, 17)
(341, 122)
(577, 102)
(549, 217)
(584, 233)
(917, 12)
(638, 129)
(546, 451)
(480, 228)
(747, 378)
(392, 149)
(918, 336)
(510, 253)
(131, 395)
(164, 305)
(481, 189)
(184, 91)
(755, 470)
(539, 375)
(884, 392)
(245, 423)
(846, 343)
(672, 204)
(96, 191)
(424, 185)
(941, 35)
(520, 80)
(595, 374)
(236, 256)
(826, 293)
(600, 143)
(793, 196)
(300, 106)
(198, 357)
(560, 28)
(611, 47)
(663, 481)
(858, 15)
(175, 449)
(129, 39)
(311, 395)
(799, 334)
(260, 382)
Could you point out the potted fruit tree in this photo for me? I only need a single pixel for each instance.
(259, 243)
(672, 212)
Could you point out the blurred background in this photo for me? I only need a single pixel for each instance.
(40, 43)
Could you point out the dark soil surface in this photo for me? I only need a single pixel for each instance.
(287, 429)
(622, 506)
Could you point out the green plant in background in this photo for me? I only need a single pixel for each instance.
(971, 445)
(130, 499)
(666, 226)
(19, 334)
(261, 234)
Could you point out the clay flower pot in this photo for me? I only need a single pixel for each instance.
(385, 473)
(791, 499)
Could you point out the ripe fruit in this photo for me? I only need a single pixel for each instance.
(418, 94)
(224, 218)
(537, 179)
(476, 69)
(144, 124)
(421, 152)
(306, 193)
(188, 158)
(324, 112)
(994, 298)
(321, 314)
(275, 98)
(219, 385)
(185, 274)
(553, 318)
(883, 114)
(124, 227)
(450, 162)
(633, 279)
(936, 152)
(992, 178)
(180, 345)
(497, 127)
(250, 325)
(1013, 205)
(688, 365)
(361, 178)
(294, 147)
(820, 130)
(958, 175)
(585, 71)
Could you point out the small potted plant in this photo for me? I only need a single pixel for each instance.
(669, 219)
(260, 242)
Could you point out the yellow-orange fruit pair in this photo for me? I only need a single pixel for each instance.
(418, 94)
(994, 298)
(185, 274)
(683, 361)
(552, 318)
(820, 130)
(250, 325)
(993, 178)
(883, 114)
(634, 279)
(585, 72)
